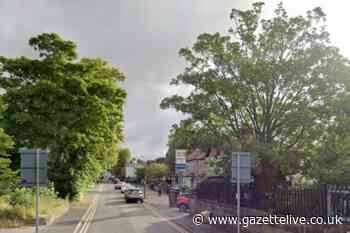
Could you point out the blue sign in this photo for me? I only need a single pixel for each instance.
(29, 167)
(180, 167)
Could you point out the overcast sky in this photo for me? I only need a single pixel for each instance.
(142, 38)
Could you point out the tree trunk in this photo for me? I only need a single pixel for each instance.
(268, 175)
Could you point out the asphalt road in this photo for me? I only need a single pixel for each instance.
(113, 215)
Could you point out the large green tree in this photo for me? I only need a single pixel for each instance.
(275, 77)
(156, 171)
(73, 107)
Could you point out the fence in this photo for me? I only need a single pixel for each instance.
(306, 202)
(297, 201)
(339, 202)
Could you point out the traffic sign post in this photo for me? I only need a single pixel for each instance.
(241, 173)
(180, 160)
(34, 173)
(180, 164)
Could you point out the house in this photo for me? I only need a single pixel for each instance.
(199, 165)
(130, 169)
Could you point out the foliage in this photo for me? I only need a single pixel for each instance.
(156, 171)
(277, 78)
(140, 173)
(124, 156)
(18, 207)
(330, 160)
(8, 178)
(21, 197)
(73, 107)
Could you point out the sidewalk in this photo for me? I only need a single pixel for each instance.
(184, 220)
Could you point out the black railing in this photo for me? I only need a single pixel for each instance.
(297, 201)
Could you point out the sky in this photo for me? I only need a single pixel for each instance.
(142, 38)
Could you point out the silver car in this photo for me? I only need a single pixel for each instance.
(134, 194)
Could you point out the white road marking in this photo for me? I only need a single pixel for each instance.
(88, 216)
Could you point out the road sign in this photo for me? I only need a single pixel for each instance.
(29, 165)
(180, 156)
(34, 173)
(241, 168)
(180, 161)
(241, 173)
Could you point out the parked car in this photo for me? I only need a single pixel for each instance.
(119, 185)
(125, 187)
(181, 188)
(134, 194)
(116, 181)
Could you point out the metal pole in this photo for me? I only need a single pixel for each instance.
(238, 192)
(37, 159)
(144, 188)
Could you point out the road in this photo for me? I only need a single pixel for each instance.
(108, 213)
(113, 215)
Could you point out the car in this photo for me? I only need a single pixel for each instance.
(180, 188)
(115, 181)
(119, 185)
(134, 194)
(125, 187)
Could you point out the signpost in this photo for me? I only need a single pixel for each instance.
(180, 162)
(241, 173)
(34, 173)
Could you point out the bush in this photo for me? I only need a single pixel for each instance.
(18, 207)
(21, 197)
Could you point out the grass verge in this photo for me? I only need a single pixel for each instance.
(19, 214)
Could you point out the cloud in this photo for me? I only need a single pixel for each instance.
(140, 37)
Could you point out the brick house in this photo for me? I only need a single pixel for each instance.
(198, 165)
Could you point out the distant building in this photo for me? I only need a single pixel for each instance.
(198, 166)
(130, 169)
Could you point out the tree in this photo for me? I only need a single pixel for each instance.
(276, 77)
(329, 162)
(124, 156)
(73, 107)
(156, 171)
(8, 178)
(140, 173)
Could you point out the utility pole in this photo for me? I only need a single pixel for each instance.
(144, 187)
(37, 161)
(238, 192)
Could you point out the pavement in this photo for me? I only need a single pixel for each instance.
(184, 220)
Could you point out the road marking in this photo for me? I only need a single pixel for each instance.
(89, 220)
(88, 216)
(175, 226)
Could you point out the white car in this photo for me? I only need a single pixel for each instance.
(133, 194)
(125, 187)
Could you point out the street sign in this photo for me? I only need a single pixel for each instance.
(243, 169)
(241, 173)
(34, 173)
(28, 167)
(180, 161)
(180, 156)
